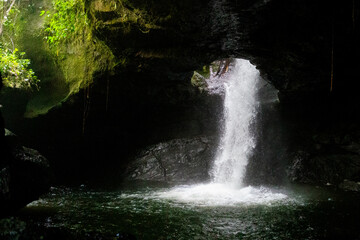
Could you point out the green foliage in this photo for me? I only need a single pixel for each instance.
(205, 71)
(15, 69)
(10, 21)
(68, 19)
(69, 30)
(198, 80)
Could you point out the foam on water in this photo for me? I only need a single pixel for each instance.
(216, 194)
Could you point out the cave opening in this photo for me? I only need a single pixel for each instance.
(140, 134)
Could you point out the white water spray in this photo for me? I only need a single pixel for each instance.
(237, 144)
(238, 140)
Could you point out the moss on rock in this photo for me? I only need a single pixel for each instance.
(198, 81)
(64, 68)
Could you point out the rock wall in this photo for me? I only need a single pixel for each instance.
(299, 46)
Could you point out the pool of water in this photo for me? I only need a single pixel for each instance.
(199, 212)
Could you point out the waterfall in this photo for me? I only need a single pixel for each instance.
(241, 86)
(238, 140)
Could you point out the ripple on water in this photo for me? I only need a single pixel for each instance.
(206, 211)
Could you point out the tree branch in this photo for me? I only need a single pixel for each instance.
(5, 16)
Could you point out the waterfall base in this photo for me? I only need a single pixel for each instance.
(215, 194)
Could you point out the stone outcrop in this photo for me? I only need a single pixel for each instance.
(23, 178)
(292, 50)
(327, 160)
(176, 161)
(350, 186)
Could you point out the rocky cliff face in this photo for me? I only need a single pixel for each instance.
(307, 49)
(290, 42)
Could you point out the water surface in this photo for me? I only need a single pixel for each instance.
(176, 213)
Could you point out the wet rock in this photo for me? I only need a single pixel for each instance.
(11, 228)
(198, 81)
(324, 168)
(24, 178)
(350, 186)
(179, 160)
(297, 170)
(4, 181)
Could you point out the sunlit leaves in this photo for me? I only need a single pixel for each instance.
(68, 18)
(15, 69)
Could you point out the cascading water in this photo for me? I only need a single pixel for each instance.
(240, 86)
(238, 140)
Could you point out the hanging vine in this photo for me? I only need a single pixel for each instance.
(87, 104)
(353, 15)
(332, 61)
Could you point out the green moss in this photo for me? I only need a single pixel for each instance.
(204, 71)
(198, 81)
(81, 60)
(66, 64)
(79, 53)
(127, 14)
(59, 38)
(67, 19)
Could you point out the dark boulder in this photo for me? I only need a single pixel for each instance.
(323, 168)
(23, 178)
(350, 186)
(179, 160)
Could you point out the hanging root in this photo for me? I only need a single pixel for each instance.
(107, 93)
(332, 60)
(353, 15)
(223, 67)
(86, 107)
